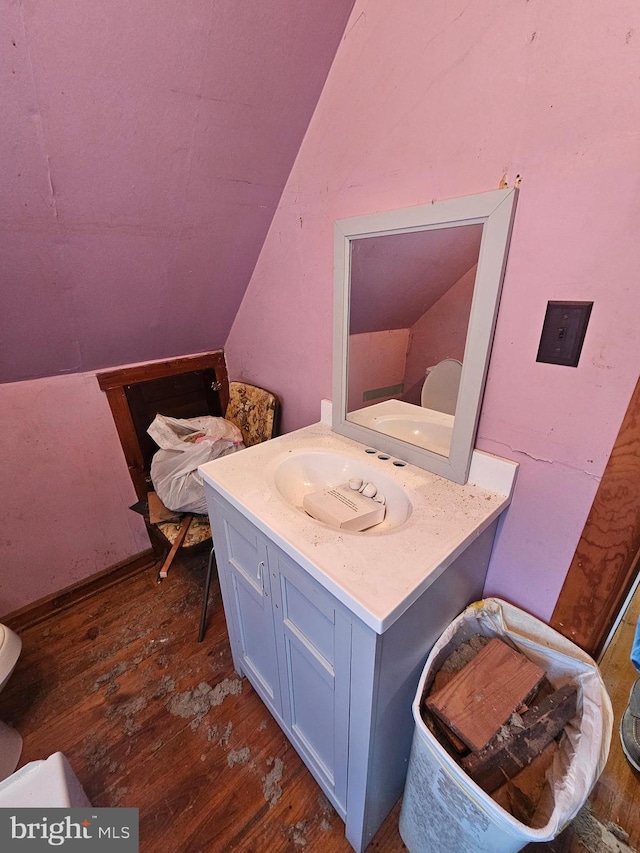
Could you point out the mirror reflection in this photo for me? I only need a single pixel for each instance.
(415, 303)
(410, 301)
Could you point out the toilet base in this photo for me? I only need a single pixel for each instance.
(10, 749)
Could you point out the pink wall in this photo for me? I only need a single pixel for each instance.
(112, 149)
(440, 333)
(143, 150)
(444, 99)
(66, 488)
(144, 147)
(376, 360)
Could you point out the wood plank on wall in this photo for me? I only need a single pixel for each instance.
(606, 559)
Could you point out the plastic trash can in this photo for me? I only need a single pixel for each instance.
(443, 810)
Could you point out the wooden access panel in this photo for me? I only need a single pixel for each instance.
(182, 387)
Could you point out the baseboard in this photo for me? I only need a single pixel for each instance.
(53, 604)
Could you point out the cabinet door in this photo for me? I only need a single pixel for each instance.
(246, 564)
(314, 645)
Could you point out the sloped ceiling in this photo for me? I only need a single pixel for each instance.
(397, 278)
(143, 150)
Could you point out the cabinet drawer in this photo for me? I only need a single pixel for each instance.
(246, 552)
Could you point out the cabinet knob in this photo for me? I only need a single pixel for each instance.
(260, 568)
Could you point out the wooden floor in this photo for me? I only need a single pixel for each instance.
(151, 719)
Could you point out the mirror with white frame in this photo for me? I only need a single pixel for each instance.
(417, 288)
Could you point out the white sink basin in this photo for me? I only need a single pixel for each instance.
(421, 427)
(305, 471)
(419, 431)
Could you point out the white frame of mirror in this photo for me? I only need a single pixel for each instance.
(495, 211)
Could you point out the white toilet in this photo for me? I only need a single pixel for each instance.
(440, 388)
(10, 740)
(47, 783)
(50, 783)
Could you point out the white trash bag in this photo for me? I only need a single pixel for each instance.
(186, 443)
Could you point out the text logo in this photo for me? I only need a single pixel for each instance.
(108, 830)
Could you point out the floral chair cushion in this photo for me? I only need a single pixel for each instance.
(253, 410)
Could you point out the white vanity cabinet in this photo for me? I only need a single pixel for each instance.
(341, 690)
(248, 606)
(292, 640)
(313, 639)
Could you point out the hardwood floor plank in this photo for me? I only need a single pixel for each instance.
(150, 718)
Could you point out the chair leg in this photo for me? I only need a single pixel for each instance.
(184, 528)
(205, 597)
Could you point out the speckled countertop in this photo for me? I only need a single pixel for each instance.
(377, 575)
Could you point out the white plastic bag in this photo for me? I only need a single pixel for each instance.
(186, 443)
(442, 806)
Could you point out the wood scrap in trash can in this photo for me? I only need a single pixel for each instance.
(520, 783)
(518, 743)
(522, 795)
(483, 695)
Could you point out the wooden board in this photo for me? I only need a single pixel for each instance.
(522, 794)
(158, 511)
(607, 556)
(184, 527)
(484, 694)
(512, 750)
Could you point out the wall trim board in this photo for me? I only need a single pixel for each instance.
(605, 563)
(119, 376)
(51, 605)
